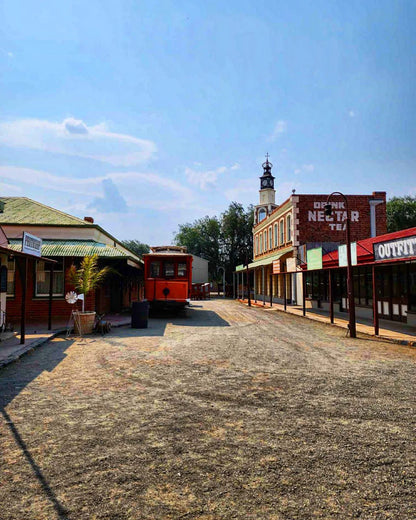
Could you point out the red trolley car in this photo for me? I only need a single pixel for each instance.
(168, 277)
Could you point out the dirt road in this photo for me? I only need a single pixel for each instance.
(225, 413)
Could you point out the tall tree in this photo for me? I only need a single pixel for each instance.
(137, 247)
(401, 213)
(202, 238)
(224, 242)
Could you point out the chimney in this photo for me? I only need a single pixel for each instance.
(89, 219)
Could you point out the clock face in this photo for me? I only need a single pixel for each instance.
(264, 183)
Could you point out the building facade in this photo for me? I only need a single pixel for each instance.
(282, 234)
(65, 239)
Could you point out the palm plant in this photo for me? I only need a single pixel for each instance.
(88, 277)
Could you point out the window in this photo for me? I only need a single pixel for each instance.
(154, 269)
(181, 270)
(270, 238)
(43, 276)
(289, 228)
(257, 245)
(169, 269)
(11, 268)
(262, 214)
(276, 243)
(282, 232)
(261, 243)
(265, 240)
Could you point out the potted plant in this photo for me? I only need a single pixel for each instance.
(85, 279)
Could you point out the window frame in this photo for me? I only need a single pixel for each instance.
(56, 272)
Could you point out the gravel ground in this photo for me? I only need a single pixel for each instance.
(225, 412)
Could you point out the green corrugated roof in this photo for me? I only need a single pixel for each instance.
(265, 261)
(80, 248)
(21, 210)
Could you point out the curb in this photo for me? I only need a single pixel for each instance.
(24, 349)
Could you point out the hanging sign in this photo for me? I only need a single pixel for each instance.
(399, 248)
(31, 244)
(276, 266)
(291, 265)
(314, 258)
(342, 254)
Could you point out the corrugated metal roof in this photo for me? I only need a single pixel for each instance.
(265, 261)
(21, 210)
(79, 248)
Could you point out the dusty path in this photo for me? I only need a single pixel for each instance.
(225, 413)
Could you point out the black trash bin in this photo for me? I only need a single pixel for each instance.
(139, 314)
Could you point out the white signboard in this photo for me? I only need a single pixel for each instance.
(342, 254)
(291, 265)
(31, 244)
(399, 248)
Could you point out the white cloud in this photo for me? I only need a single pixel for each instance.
(9, 189)
(204, 179)
(279, 129)
(73, 137)
(305, 168)
(351, 113)
(235, 166)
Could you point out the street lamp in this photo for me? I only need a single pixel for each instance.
(223, 280)
(350, 285)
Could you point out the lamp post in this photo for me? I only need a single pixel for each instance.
(350, 285)
(223, 280)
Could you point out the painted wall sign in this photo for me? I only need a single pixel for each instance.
(276, 266)
(314, 258)
(342, 254)
(31, 244)
(399, 248)
(336, 221)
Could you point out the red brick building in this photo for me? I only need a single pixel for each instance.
(282, 234)
(65, 239)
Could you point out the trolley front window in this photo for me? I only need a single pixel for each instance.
(169, 269)
(154, 269)
(181, 270)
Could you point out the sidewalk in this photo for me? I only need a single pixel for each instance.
(36, 335)
(395, 332)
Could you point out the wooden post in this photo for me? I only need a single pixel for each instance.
(50, 298)
(331, 297)
(375, 303)
(23, 278)
(284, 292)
(263, 285)
(271, 290)
(304, 293)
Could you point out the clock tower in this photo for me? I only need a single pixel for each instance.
(267, 193)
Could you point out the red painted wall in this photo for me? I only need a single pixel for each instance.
(314, 226)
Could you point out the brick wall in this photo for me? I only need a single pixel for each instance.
(313, 226)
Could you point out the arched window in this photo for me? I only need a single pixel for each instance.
(261, 243)
(289, 228)
(262, 214)
(282, 232)
(276, 243)
(270, 238)
(265, 239)
(257, 245)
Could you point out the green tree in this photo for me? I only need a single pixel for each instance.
(225, 241)
(237, 237)
(202, 238)
(401, 213)
(137, 247)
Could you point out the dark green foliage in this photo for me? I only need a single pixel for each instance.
(137, 247)
(226, 241)
(401, 213)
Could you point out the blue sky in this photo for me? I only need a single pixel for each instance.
(146, 115)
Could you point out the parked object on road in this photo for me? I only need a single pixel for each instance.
(168, 277)
(140, 314)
